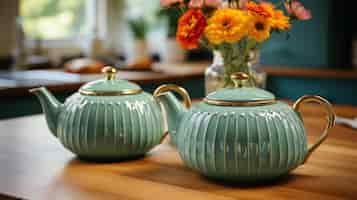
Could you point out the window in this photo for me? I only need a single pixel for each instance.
(57, 19)
(145, 9)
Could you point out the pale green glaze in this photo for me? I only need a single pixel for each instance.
(241, 143)
(241, 94)
(104, 127)
(110, 85)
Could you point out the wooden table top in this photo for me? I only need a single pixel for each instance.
(34, 165)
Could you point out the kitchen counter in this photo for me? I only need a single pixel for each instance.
(338, 86)
(16, 100)
(18, 83)
(15, 84)
(34, 165)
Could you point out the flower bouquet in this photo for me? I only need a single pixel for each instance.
(233, 28)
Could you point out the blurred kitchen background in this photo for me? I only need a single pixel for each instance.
(61, 44)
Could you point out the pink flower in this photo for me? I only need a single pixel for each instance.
(168, 3)
(196, 3)
(213, 3)
(243, 4)
(205, 3)
(296, 9)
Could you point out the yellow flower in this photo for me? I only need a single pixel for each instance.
(260, 29)
(227, 25)
(278, 19)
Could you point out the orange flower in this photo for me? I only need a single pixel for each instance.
(278, 19)
(267, 10)
(258, 9)
(191, 26)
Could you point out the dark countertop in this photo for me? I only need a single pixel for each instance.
(14, 84)
(18, 83)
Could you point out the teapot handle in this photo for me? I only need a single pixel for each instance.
(181, 91)
(330, 120)
(172, 87)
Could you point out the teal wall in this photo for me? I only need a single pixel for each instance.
(323, 42)
(309, 44)
(337, 91)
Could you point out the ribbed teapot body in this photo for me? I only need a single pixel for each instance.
(242, 143)
(95, 127)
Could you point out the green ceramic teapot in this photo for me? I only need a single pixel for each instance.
(107, 119)
(241, 133)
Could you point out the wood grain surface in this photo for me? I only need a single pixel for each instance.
(34, 165)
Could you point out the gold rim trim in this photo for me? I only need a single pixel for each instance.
(110, 93)
(239, 103)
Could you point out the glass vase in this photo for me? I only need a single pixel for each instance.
(217, 75)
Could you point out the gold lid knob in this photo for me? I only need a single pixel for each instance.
(239, 78)
(110, 72)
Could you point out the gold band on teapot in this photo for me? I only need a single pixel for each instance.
(110, 93)
(239, 103)
(239, 79)
(110, 74)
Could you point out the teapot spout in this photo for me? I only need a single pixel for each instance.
(50, 106)
(172, 108)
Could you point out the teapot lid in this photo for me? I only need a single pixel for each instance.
(240, 95)
(110, 86)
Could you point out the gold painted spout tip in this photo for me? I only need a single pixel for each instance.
(33, 90)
